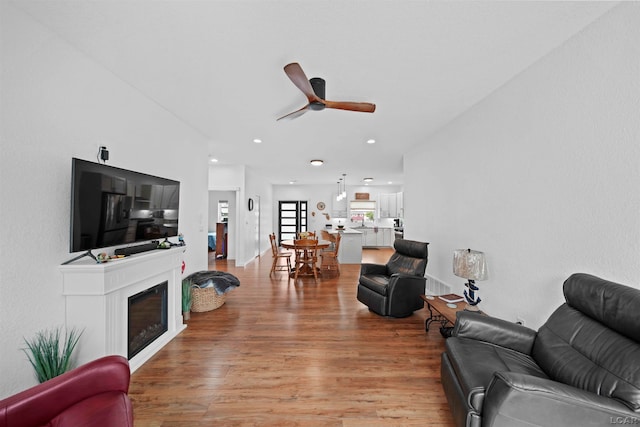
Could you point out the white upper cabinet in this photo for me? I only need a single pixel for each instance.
(391, 205)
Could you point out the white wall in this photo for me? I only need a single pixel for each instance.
(57, 104)
(542, 175)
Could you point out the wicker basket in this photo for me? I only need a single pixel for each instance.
(205, 299)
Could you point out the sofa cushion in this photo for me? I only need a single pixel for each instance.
(575, 349)
(475, 362)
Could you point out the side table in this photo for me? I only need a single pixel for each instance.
(440, 312)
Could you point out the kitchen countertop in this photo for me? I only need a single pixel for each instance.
(357, 230)
(344, 231)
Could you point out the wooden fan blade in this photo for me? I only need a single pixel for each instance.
(297, 76)
(364, 107)
(296, 113)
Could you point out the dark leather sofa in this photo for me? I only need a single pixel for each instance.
(393, 289)
(94, 394)
(581, 368)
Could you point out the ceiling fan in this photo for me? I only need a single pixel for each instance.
(314, 91)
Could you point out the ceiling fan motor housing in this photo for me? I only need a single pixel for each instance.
(318, 86)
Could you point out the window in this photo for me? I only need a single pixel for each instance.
(223, 211)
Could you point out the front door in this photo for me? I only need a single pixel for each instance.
(292, 218)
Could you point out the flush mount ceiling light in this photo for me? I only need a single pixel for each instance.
(371, 141)
(257, 141)
(367, 179)
(212, 160)
(317, 162)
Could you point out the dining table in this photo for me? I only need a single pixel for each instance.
(305, 270)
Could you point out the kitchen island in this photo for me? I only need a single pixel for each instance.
(350, 251)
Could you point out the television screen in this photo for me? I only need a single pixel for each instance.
(112, 206)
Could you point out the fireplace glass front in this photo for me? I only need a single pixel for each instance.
(147, 318)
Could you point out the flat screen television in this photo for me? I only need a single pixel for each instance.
(112, 206)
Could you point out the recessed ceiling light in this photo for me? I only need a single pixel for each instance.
(389, 182)
(257, 141)
(371, 141)
(317, 162)
(293, 181)
(367, 179)
(212, 160)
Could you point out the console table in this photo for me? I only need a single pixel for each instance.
(439, 311)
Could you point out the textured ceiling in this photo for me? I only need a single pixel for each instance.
(218, 66)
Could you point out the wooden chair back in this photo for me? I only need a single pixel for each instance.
(274, 244)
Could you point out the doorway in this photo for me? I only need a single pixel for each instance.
(221, 225)
(292, 218)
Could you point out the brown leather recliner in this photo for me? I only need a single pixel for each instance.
(393, 289)
(94, 394)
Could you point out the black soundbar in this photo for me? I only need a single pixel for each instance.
(131, 250)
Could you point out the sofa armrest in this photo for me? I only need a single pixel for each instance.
(373, 269)
(514, 399)
(495, 331)
(38, 405)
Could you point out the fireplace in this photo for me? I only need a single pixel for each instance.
(147, 318)
(97, 301)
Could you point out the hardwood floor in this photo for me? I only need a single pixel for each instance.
(284, 353)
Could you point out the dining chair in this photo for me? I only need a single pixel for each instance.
(329, 258)
(279, 255)
(306, 235)
(306, 258)
(328, 237)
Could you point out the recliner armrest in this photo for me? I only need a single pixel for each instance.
(514, 399)
(39, 404)
(494, 330)
(373, 269)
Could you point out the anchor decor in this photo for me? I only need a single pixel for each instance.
(470, 265)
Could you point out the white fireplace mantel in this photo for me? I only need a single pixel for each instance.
(96, 298)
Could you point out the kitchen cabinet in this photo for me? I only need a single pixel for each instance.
(391, 205)
(388, 206)
(369, 237)
(381, 237)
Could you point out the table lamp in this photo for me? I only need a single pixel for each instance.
(470, 265)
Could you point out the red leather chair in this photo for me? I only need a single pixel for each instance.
(92, 395)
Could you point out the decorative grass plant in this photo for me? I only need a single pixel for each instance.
(50, 352)
(186, 297)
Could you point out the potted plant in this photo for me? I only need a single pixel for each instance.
(186, 299)
(50, 351)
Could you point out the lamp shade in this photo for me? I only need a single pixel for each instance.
(470, 264)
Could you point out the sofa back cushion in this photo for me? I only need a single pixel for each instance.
(589, 343)
(611, 304)
(410, 258)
